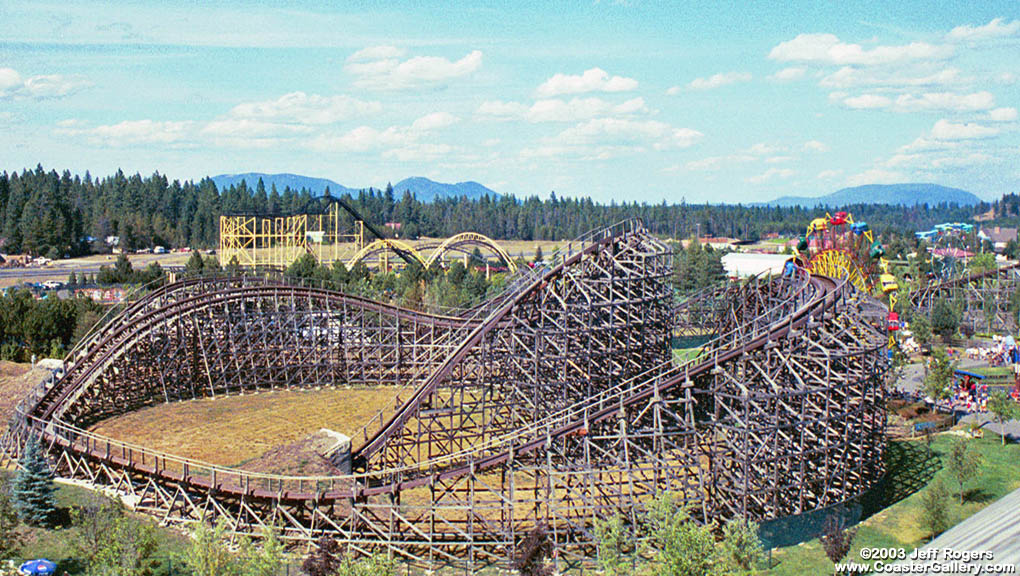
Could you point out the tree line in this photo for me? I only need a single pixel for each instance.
(62, 214)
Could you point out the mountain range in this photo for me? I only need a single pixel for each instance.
(899, 194)
(424, 189)
(427, 190)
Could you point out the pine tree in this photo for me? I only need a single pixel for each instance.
(33, 488)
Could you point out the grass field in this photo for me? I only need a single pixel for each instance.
(59, 270)
(58, 543)
(893, 518)
(231, 430)
(993, 371)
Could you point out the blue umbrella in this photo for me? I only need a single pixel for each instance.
(38, 568)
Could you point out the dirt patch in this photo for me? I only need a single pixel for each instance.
(306, 457)
(16, 380)
(231, 430)
(918, 411)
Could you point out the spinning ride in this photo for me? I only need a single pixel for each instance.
(948, 247)
(837, 247)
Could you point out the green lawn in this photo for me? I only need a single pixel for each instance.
(992, 371)
(893, 515)
(57, 543)
(685, 354)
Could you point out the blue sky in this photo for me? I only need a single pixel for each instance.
(633, 100)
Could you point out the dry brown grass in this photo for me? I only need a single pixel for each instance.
(15, 381)
(230, 430)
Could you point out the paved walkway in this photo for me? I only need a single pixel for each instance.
(995, 529)
(912, 381)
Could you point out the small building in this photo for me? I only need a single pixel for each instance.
(998, 236)
(744, 264)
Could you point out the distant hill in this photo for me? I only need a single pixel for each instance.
(424, 189)
(428, 190)
(899, 194)
(296, 182)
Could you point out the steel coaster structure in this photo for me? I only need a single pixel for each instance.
(989, 300)
(550, 406)
(323, 228)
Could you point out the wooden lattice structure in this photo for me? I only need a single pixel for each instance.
(556, 403)
(989, 301)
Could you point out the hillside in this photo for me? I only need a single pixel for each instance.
(897, 194)
(426, 190)
(295, 181)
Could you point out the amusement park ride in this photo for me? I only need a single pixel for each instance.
(837, 247)
(333, 231)
(949, 247)
(553, 404)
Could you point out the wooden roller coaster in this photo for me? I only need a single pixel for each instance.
(556, 403)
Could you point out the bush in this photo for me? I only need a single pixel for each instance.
(837, 539)
(10, 539)
(934, 502)
(741, 546)
(963, 463)
(682, 548)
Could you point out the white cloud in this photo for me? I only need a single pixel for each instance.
(946, 130)
(592, 80)
(779, 159)
(1006, 78)
(372, 53)
(828, 49)
(603, 138)
(301, 108)
(829, 174)
(788, 74)
(713, 163)
(380, 68)
(931, 101)
(717, 80)
(765, 149)
(131, 133)
(771, 173)
(926, 143)
(1002, 115)
(434, 121)
(851, 77)
(501, 110)
(973, 159)
(900, 160)
(401, 142)
(876, 176)
(662, 135)
(947, 101)
(250, 132)
(557, 110)
(867, 102)
(251, 128)
(41, 87)
(419, 152)
(997, 28)
(815, 146)
(576, 109)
